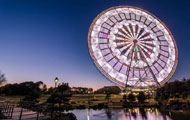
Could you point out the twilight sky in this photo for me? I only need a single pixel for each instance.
(44, 39)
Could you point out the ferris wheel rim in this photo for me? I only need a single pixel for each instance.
(100, 67)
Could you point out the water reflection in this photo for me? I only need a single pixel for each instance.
(88, 114)
(130, 114)
(143, 113)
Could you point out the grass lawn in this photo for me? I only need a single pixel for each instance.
(11, 98)
(77, 99)
(94, 99)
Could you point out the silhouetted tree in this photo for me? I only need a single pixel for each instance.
(108, 95)
(131, 97)
(141, 97)
(44, 89)
(61, 96)
(175, 89)
(125, 98)
(22, 89)
(2, 79)
(34, 93)
(33, 96)
(111, 89)
(50, 90)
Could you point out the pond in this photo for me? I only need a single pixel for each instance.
(131, 114)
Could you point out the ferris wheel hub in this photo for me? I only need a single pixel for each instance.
(135, 41)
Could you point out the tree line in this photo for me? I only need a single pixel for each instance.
(175, 89)
(22, 89)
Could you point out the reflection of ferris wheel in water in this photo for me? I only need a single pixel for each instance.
(132, 47)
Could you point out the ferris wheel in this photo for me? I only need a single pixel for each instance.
(132, 47)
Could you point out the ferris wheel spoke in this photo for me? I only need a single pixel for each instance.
(131, 28)
(147, 55)
(149, 50)
(125, 50)
(117, 40)
(147, 40)
(123, 32)
(140, 33)
(122, 45)
(127, 30)
(120, 36)
(136, 29)
(145, 35)
(148, 44)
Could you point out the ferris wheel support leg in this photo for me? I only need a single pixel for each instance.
(129, 67)
(155, 79)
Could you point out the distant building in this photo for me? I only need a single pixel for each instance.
(81, 90)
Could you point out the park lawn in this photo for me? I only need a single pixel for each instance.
(43, 98)
(77, 99)
(11, 98)
(2, 99)
(88, 99)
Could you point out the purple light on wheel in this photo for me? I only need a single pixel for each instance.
(105, 35)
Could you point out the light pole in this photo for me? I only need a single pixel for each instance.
(56, 81)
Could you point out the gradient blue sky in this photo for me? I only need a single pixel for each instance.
(42, 39)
